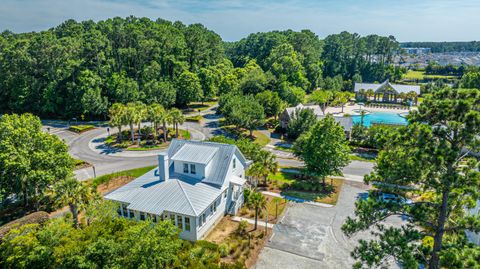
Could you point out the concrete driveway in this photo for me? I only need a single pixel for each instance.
(310, 236)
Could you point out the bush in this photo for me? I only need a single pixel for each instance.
(224, 250)
(81, 128)
(39, 217)
(242, 228)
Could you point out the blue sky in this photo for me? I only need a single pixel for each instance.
(407, 20)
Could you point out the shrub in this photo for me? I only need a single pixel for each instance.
(123, 145)
(224, 250)
(81, 128)
(242, 228)
(39, 217)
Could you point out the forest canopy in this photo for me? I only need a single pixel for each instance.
(79, 69)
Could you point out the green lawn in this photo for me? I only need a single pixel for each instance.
(134, 173)
(354, 157)
(318, 197)
(81, 128)
(196, 106)
(261, 138)
(420, 75)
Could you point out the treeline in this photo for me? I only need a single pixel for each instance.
(473, 46)
(82, 68)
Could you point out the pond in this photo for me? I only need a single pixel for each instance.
(377, 117)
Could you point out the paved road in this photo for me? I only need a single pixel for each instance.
(310, 236)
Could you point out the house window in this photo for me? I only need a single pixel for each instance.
(180, 222)
(192, 169)
(234, 163)
(225, 194)
(187, 224)
(131, 214)
(124, 208)
(172, 218)
(142, 216)
(203, 220)
(185, 168)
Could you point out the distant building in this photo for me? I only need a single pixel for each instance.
(386, 91)
(194, 186)
(287, 114)
(417, 50)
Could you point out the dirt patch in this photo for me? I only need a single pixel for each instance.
(275, 208)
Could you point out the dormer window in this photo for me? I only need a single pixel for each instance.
(192, 169)
(185, 168)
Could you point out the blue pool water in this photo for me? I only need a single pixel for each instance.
(380, 118)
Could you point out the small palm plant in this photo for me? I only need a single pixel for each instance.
(256, 201)
(176, 118)
(73, 193)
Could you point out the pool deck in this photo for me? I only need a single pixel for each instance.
(348, 109)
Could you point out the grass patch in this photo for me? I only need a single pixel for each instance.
(284, 148)
(282, 178)
(81, 128)
(261, 138)
(197, 118)
(198, 106)
(258, 137)
(354, 157)
(420, 75)
(131, 174)
(79, 164)
(319, 196)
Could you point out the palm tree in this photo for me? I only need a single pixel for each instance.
(117, 118)
(156, 114)
(256, 200)
(268, 164)
(255, 171)
(140, 115)
(177, 118)
(130, 118)
(73, 193)
(166, 119)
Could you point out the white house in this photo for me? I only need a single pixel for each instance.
(195, 185)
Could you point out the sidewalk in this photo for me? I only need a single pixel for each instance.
(251, 221)
(298, 200)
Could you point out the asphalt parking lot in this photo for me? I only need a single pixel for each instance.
(310, 236)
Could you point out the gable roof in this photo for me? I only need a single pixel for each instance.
(397, 87)
(345, 122)
(195, 153)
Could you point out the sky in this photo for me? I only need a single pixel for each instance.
(407, 20)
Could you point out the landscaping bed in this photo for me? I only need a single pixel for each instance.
(258, 136)
(197, 118)
(81, 128)
(148, 141)
(238, 242)
(275, 207)
(199, 106)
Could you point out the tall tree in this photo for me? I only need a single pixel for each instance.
(176, 117)
(30, 160)
(324, 148)
(157, 115)
(322, 98)
(430, 157)
(117, 114)
(301, 121)
(189, 88)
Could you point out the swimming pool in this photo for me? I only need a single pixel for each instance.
(376, 117)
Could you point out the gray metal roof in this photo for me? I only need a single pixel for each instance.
(180, 193)
(195, 153)
(397, 87)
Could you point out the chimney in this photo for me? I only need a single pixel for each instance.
(163, 166)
